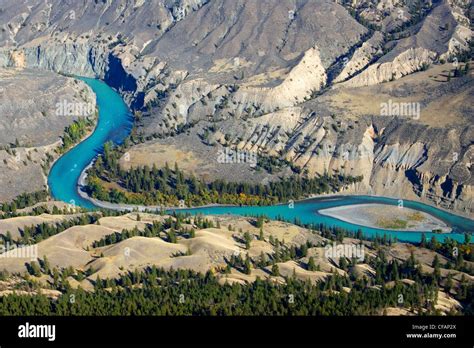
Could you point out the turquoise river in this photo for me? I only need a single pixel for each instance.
(115, 124)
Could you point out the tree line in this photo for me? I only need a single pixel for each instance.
(24, 200)
(184, 292)
(75, 132)
(164, 186)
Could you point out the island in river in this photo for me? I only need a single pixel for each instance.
(387, 217)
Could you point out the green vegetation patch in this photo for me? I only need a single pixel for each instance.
(393, 224)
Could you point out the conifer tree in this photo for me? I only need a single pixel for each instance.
(311, 264)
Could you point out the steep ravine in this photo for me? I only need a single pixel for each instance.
(95, 61)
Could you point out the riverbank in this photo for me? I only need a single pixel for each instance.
(82, 183)
(331, 196)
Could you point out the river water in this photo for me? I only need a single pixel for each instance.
(115, 124)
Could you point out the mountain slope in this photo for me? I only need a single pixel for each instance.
(302, 80)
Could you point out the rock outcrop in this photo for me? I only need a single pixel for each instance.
(406, 63)
(258, 72)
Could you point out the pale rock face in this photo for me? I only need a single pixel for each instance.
(190, 94)
(307, 77)
(362, 57)
(395, 157)
(462, 35)
(77, 59)
(458, 43)
(362, 161)
(406, 63)
(399, 156)
(266, 133)
(18, 59)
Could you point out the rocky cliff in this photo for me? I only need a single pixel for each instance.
(286, 79)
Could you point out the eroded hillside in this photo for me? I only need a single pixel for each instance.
(303, 81)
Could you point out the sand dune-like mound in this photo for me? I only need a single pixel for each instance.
(292, 269)
(446, 303)
(199, 263)
(403, 251)
(213, 242)
(362, 270)
(133, 253)
(118, 223)
(14, 225)
(65, 249)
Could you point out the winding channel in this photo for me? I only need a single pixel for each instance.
(115, 124)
